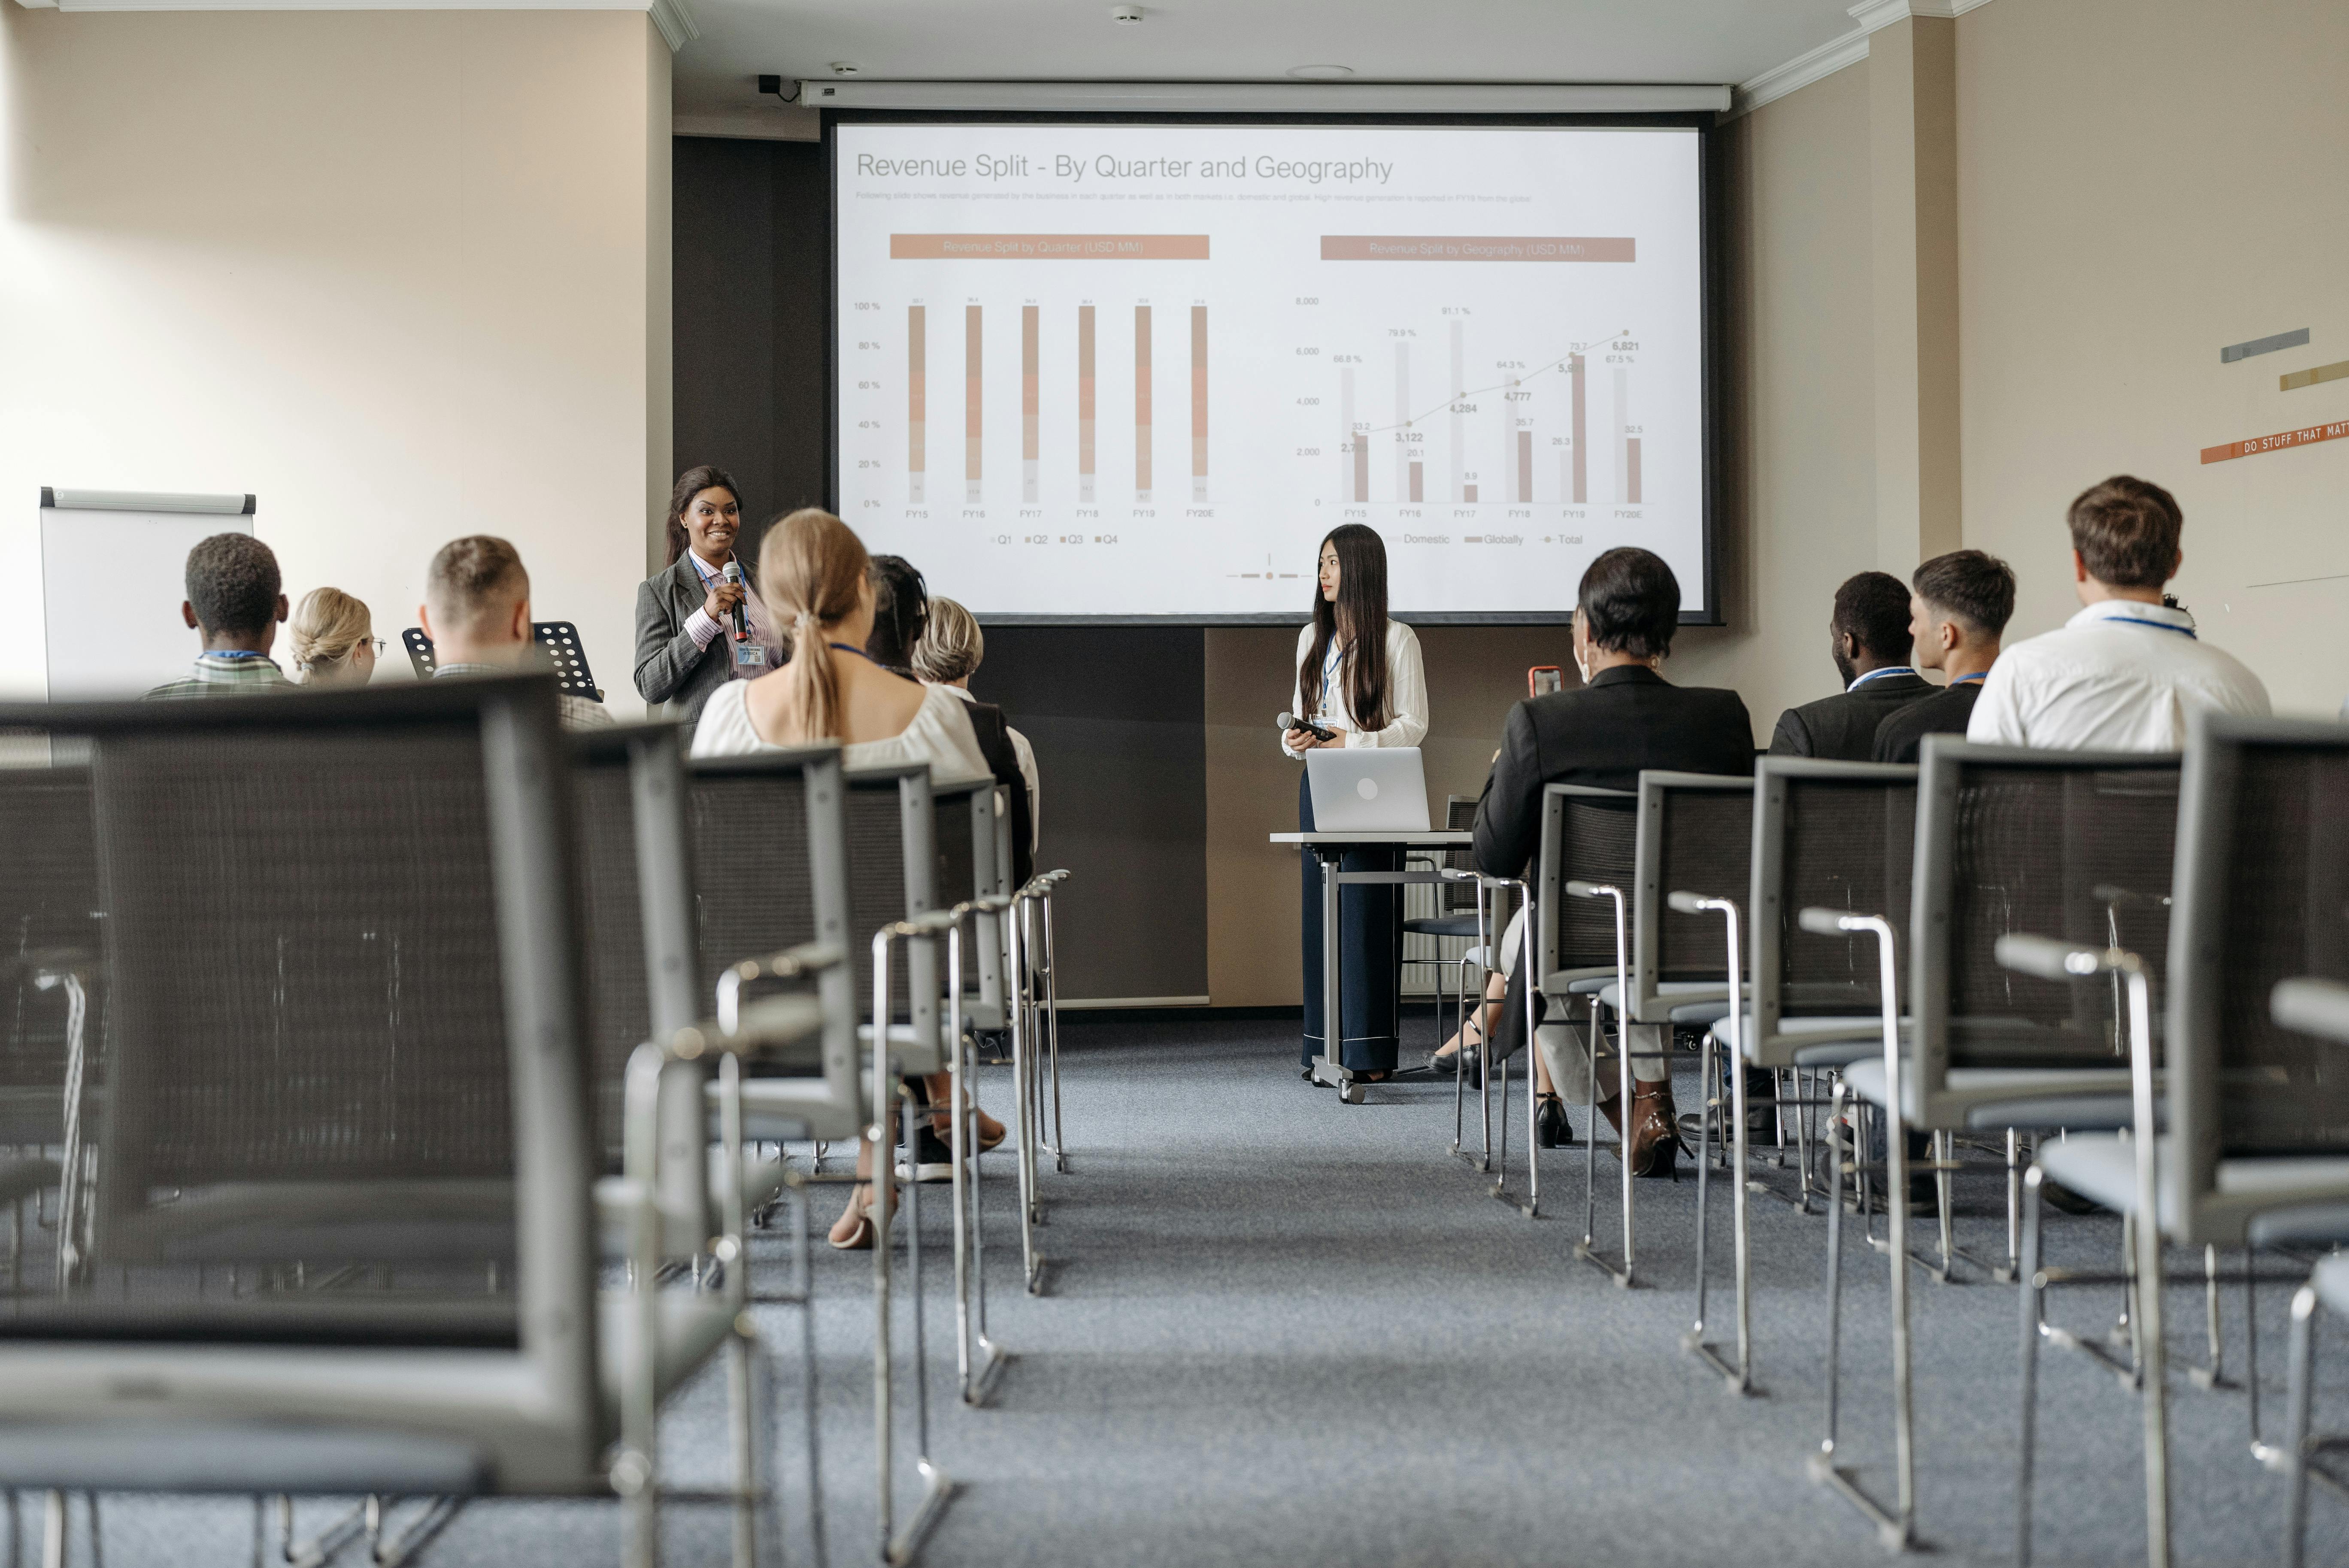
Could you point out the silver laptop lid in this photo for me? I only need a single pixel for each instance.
(1369, 788)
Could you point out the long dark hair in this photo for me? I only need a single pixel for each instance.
(691, 483)
(1361, 607)
(901, 613)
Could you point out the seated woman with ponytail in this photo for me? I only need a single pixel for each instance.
(815, 580)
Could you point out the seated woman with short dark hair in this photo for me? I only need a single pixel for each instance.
(1624, 718)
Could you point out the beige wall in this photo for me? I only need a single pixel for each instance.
(2140, 182)
(402, 274)
(1798, 480)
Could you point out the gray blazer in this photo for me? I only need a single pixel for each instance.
(669, 669)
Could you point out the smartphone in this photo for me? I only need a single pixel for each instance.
(1543, 679)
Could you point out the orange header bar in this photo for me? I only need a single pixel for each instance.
(1049, 247)
(2335, 431)
(1472, 248)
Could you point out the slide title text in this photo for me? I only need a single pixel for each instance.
(1106, 166)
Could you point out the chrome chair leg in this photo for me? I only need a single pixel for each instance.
(2033, 1288)
(2297, 1405)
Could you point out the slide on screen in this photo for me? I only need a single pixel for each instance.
(1132, 371)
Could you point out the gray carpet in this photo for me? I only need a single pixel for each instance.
(1284, 1330)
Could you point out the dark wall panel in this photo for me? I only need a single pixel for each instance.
(1116, 714)
(751, 296)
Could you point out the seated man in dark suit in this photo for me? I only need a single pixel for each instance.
(1960, 607)
(1869, 643)
(1624, 718)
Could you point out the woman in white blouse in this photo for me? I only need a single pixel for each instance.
(1358, 677)
(814, 579)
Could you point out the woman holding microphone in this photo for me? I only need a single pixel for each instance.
(1359, 677)
(685, 646)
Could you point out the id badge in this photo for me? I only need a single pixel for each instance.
(749, 658)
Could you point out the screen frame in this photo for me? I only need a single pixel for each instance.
(1710, 322)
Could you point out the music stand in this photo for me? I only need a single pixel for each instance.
(557, 640)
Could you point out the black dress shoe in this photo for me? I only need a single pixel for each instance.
(1466, 1062)
(1551, 1129)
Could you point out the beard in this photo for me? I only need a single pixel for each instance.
(1844, 666)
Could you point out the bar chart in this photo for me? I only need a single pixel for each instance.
(1498, 411)
(1191, 372)
(1080, 411)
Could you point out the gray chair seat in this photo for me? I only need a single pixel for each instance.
(980, 1014)
(693, 1324)
(683, 1235)
(326, 1222)
(789, 1110)
(1828, 1041)
(913, 1053)
(1995, 1097)
(1443, 925)
(1690, 1001)
(23, 1178)
(2306, 1226)
(230, 1456)
(2103, 1166)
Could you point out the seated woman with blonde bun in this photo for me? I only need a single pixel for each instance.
(815, 580)
(334, 640)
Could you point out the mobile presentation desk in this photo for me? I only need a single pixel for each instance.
(1329, 848)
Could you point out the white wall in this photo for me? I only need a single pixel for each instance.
(404, 275)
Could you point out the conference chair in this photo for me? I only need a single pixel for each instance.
(969, 879)
(345, 1065)
(2008, 842)
(1456, 916)
(2320, 1009)
(2254, 1146)
(56, 1004)
(1587, 854)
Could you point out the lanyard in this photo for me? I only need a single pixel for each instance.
(1977, 676)
(233, 654)
(1330, 668)
(1886, 670)
(2150, 626)
(851, 648)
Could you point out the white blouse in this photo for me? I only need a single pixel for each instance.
(939, 735)
(1407, 693)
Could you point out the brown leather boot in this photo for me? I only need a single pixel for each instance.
(1655, 1136)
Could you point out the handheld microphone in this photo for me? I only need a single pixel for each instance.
(742, 621)
(1288, 721)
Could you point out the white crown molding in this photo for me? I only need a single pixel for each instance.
(789, 123)
(1836, 53)
(1324, 98)
(671, 16)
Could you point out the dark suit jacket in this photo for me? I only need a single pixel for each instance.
(1003, 761)
(1842, 728)
(669, 668)
(1902, 733)
(1626, 719)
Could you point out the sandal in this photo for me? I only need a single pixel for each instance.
(860, 1238)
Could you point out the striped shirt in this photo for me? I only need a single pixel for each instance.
(226, 674)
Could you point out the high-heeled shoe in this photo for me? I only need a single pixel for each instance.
(1551, 1129)
(859, 1240)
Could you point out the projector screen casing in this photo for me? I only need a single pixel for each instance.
(1700, 607)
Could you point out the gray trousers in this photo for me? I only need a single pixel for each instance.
(1562, 1044)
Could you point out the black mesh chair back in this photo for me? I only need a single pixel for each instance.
(51, 923)
(2263, 896)
(964, 830)
(1827, 835)
(628, 792)
(1588, 835)
(1695, 835)
(344, 1057)
(2073, 845)
(892, 873)
(769, 841)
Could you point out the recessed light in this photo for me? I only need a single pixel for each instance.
(1320, 73)
(841, 67)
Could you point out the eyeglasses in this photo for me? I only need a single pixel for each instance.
(377, 643)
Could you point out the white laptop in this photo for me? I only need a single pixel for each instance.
(1367, 788)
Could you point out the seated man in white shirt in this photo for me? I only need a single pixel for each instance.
(476, 610)
(2123, 673)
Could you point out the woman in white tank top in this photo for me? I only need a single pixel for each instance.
(813, 579)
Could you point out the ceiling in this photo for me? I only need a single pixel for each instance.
(1707, 41)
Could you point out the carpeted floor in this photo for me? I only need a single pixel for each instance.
(1283, 1330)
